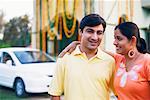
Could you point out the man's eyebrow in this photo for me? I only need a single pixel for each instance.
(93, 30)
(89, 29)
(99, 31)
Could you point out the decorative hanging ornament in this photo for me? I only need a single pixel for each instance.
(131, 53)
(69, 32)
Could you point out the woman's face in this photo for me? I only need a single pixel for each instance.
(123, 45)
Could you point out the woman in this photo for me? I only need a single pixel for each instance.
(132, 77)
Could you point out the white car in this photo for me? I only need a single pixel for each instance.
(26, 70)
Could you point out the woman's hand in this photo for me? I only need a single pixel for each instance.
(70, 48)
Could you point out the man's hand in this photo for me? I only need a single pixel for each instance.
(55, 98)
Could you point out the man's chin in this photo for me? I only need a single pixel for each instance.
(93, 47)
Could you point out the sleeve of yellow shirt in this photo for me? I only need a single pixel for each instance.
(57, 85)
(112, 77)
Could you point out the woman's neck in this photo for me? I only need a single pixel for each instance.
(130, 62)
(136, 56)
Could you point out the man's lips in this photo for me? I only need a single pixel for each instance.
(93, 43)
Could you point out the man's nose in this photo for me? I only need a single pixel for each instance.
(94, 36)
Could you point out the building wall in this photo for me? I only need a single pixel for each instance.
(113, 9)
(110, 10)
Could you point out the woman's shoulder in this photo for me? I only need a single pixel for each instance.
(147, 57)
(118, 56)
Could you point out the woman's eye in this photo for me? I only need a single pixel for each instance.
(119, 38)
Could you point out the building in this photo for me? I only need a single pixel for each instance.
(57, 21)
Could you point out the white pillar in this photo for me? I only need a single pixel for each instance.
(33, 39)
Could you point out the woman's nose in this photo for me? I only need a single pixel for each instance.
(115, 42)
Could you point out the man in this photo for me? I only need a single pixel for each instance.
(86, 73)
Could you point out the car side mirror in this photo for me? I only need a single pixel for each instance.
(9, 62)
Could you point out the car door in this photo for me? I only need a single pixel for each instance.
(6, 71)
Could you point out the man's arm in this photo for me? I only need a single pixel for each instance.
(55, 98)
(113, 65)
(56, 87)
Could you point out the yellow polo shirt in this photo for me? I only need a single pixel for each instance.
(82, 79)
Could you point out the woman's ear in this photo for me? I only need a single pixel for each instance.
(133, 40)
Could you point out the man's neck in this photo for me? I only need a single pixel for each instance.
(89, 53)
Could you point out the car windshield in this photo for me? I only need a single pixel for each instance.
(26, 57)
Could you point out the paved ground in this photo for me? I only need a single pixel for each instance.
(8, 94)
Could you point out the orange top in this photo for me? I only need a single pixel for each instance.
(134, 84)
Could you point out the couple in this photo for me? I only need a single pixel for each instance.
(89, 73)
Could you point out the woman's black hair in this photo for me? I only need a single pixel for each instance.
(130, 29)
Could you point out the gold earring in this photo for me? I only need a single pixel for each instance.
(131, 53)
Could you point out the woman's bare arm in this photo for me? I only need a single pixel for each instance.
(70, 48)
(110, 53)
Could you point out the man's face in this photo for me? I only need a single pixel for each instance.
(91, 37)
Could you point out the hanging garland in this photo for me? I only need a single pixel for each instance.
(88, 6)
(59, 36)
(67, 14)
(55, 32)
(50, 32)
(91, 6)
(66, 18)
(60, 27)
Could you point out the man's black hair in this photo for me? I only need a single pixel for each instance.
(92, 20)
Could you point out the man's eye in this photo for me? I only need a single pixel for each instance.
(90, 31)
(99, 33)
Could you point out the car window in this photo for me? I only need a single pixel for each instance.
(26, 57)
(0, 57)
(6, 57)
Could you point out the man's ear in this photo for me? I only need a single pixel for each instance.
(80, 32)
